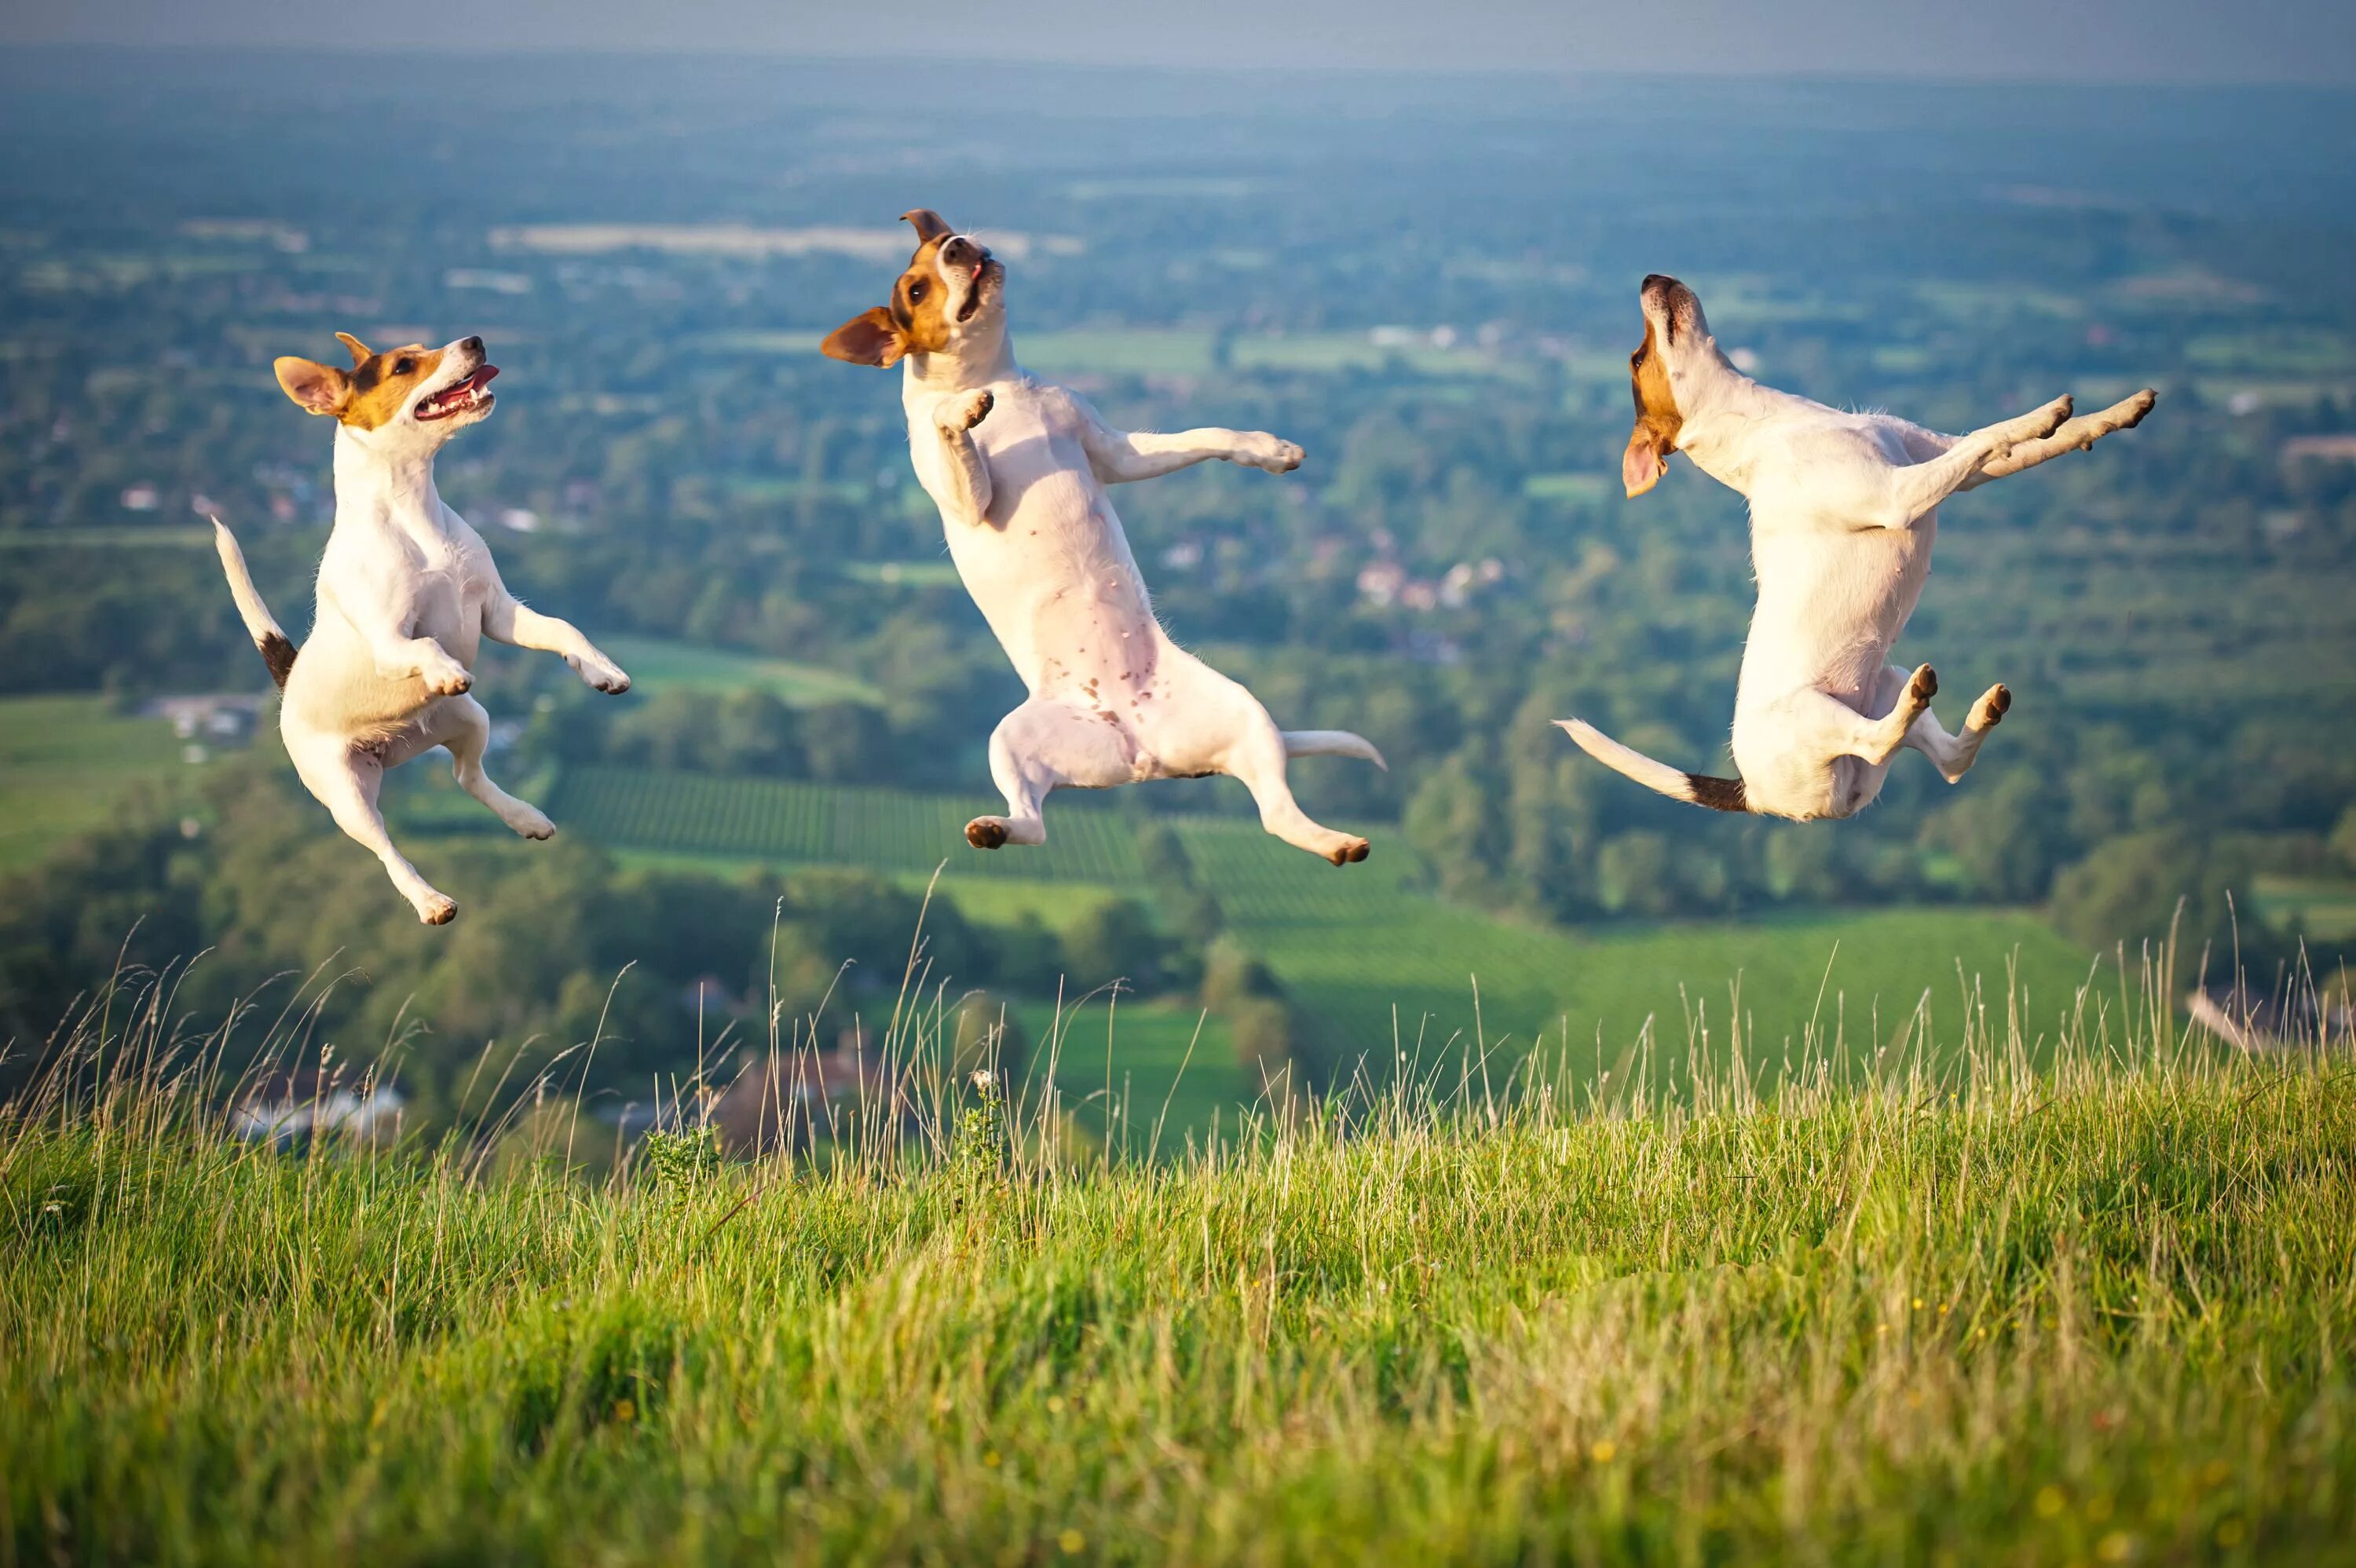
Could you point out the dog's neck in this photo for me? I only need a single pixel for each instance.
(930, 373)
(389, 488)
(1718, 405)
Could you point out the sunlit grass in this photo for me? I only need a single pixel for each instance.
(2098, 1311)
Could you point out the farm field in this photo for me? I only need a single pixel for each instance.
(1381, 967)
(2094, 1313)
(659, 664)
(67, 763)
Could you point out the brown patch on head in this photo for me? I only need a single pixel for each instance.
(1658, 419)
(368, 396)
(917, 321)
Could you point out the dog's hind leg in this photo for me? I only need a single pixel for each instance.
(1043, 745)
(1258, 758)
(345, 780)
(460, 724)
(2076, 435)
(1828, 726)
(1910, 490)
(1953, 755)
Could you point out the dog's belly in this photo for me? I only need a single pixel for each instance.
(1056, 581)
(1831, 604)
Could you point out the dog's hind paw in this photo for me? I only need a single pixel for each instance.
(532, 823)
(1349, 851)
(454, 681)
(438, 910)
(986, 833)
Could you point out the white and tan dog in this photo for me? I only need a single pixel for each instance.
(407, 593)
(1019, 468)
(1844, 507)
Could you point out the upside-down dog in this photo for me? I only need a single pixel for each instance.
(1844, 507)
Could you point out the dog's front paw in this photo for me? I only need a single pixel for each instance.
(1348, 851)
(1271, 455)
(1990, 709)
(437, 909)
(986, 833)
(961, 414)
(601, 676)
(449, 678)
(532, 823)
(1922, 686)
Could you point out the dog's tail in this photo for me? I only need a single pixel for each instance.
(1331, 743)
(1718, 794)
(277, 650)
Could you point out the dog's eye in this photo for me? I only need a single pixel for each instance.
(404, 366)
(916, 292)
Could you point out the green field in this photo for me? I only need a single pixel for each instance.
(2097, 1313)
(67, 765)
(1383, 967)
(658, 664)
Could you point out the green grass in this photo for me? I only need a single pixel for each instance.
(1153, 1078)
(2097, 1313)
(658, 663)
(67, 765)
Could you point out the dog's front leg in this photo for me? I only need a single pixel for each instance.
(1121, 457)
(963, 493)
(399, 656)
(507, 619)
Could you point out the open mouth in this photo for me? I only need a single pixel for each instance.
(461, 398)
(973, 294)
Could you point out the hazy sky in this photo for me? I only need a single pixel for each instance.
(2107, 40)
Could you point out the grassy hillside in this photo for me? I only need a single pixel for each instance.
(2098, 1313)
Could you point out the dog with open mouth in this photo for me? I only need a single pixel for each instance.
(1020, 468)
(407, 591)
(1844, 508)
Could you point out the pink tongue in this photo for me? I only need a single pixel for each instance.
(482, 377)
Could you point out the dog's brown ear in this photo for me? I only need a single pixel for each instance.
(1646, 459)
(870, 337)
(361, 352)
(930, 225)
(317, 389)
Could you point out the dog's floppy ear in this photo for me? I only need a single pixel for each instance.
(930, 225)
(318, 388)
(870, 337)
(1646, 459)
(361, 352)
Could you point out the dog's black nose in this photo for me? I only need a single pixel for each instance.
(471, 345)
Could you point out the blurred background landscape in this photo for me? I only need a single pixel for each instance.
(1428, 283)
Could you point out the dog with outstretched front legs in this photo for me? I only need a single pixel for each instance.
(406, 592)
(1844, 508)
(1020, 468)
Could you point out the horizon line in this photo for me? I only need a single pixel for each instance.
(766, 54)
